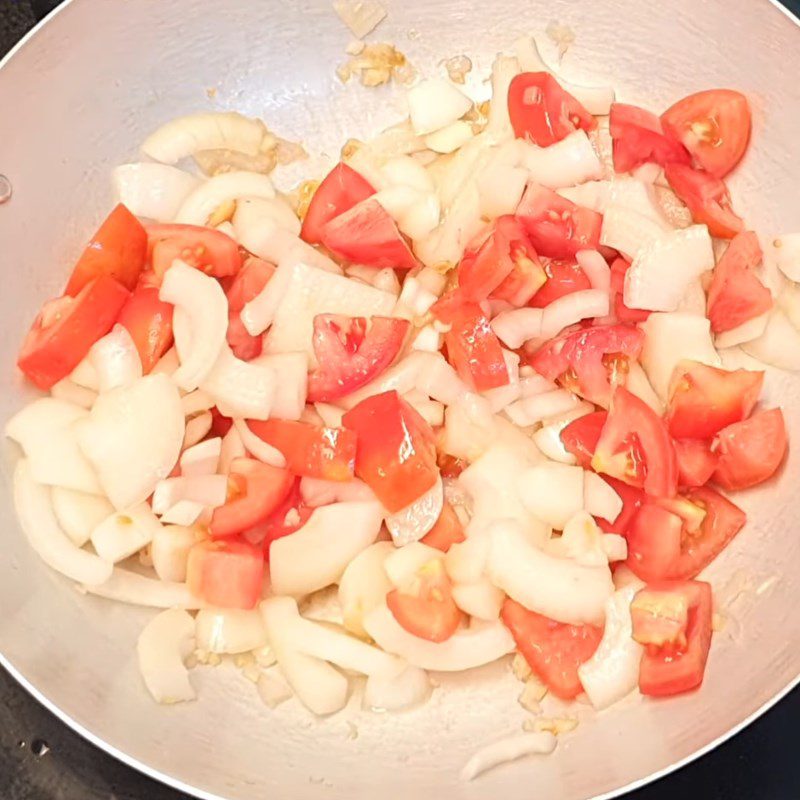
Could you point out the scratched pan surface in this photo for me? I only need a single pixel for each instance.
(79, 95)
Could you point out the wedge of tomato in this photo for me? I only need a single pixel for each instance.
(447, 531)
(290, 515)
(542, 111)
(623, 314)
(736, 295)
(247, 284)
(149, 322)
(714, 126)
(553, 650)
(639, 137)
(705, 399)
(351, 351)
(118, 250)
(750, 451)
(211, 251)
(580, 437)
(341, 189)
(67, 327)
(632, 500)
(561, 278)
(228, 573)
(696, 461)
(396, 454)
(366, 234)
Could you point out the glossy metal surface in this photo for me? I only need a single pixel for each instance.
(76, 99)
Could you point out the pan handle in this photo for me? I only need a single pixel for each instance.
(41, 8)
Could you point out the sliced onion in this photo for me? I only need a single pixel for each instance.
(502, 396)
(232, 447)
(779, 345)
(440, 381)
(481, 600)
(196, 402)
(506, 750)
(430, 410)
(517, 326)
(398, 140)
(531, 383)
(384, 279)
(266, 226)
(163, 646)
(258, 314)
(201, 459)
(223, 188)
(600, 500)
(405, 171)
(330, 415)
(133, 438)
(466, 561)
(184, 512)
(434, 104)
(415, 297)
(596, 269)
(364, 585)
(410, 688)
(316, 555)
(501, 188)
(209, 491)
(401, 377)
(504, 69)
(168, 363)
(115, 359)
(548, 437)
(787, 255)
(124, 533)
(197, 429)
(552, 492)
(241, 388)
(615, 547)
(592, 194)
(35, 512)
(85, 375)
(572, 308)
(70, 392)
(541, 407)
(257, 446)
(628, 231)
(741, 334)
(153, 191)
(402, 565)
(449, 138)
(170, 551)
(565, 163)
(411, 523)
(229, 630)
(556, 587)
(79, 513)
(318, 492)
(129, 587)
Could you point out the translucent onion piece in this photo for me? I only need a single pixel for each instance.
(364, 585)
(565, 163)
(153, 191)
(410, 688)
(779, 345)
(599, 499)
(510, 749)
(124, 533)
(115, 359)
(517, 326)
(129, 587)
(402, 565)
(240, 388)
(596, 269)
(541, 407)
(449, 138)
(258, 447)
(411, 523)
(223, 188)
(628, 231)
(552, 492)
(184, 512)
(209, 491)
(163, 646)
(195, 402)
(504, 69)
(229, 630)
(480, 599)
(202, 458)
(572, 308)
(79, 513)
(70, 392)
(291, 383)
(197, 428)
(435, 103)
(170, 551)
(741, 334)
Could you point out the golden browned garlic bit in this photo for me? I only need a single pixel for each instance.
(458, 67)
(376, 65)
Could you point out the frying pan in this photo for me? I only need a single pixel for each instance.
(80, 94)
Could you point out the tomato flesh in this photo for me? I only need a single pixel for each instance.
(289, 516)
(632, 500)
(245, 286)
(226, 573)
(149, 322)
(696, 461)
(623, 314)
(447, 531)
(561, 278)
(209, 250)
(638, 138)
(580, 437)
(660, 617)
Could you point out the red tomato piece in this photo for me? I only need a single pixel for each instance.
(542, 111)
(714, 126)
(654, 542)
(220, 424)
(704, 399)
(696, 461)
(396, 454)
(67, 327)
(736, 295)
(425, 608)
(561, 278)
(226, 574)
(632, 500)
(366, 234)
(341, 189)
(255, 490)
(660, 617)
(639, 137)
(707, 198)
(149, 322)
(590, 361)
(310, 450)
(118, 250)
(246, 285)
(580, 436)
(206, 249)
(623, 314)
(288, 517)
(750, 451)
(447, 531)
(350, 354)
(556, 226)
(553, 650)
(635, 447)
(673, 669)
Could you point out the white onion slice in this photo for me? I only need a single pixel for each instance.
(291, 383)
(223, 188)
(319, 492)
(502, 396)
(201, 299)
(504, 69)
(402, 565)
(209, 491)
(122, 534)
(592, 194)
(240, 388)
(510, 749)
(316, 555)
(201, 459)
(229, 630)
(266, 226)
(415, 298)
(481, 600)
(572, 308)
(115, 359)
(197, 429)
(85, 375)
(582, 541)
(628, 231)
(232, 447)
(257, 446)
(133, 438)
(410, 688)
(779, 345)
(411, 523)
(435, 103)
(38, 522)
(152, 191)
(384, 279)
(168, 363)
(449, 138)
(364, 585)
(196, 402)
(741, 334)
(552, 492)
(361, 16)
(184, 512)
(330, 415)
(272, 689)
(541, 407)
(129, 587)
(597, 270)
(599, 499)
(548, 437)
(517, 326)
(565, 163)
(401, 377)
(79, 513)
(70, 392)
(466, 561)
(163, 645)
(170, 551)
(501, 187)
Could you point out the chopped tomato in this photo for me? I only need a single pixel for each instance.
(623, 314)
(350, 354)
(706, 197)
(562, 278)
(290, 515)
(632, 500)
(590, 361)
(704, 399)
(636, 448)
(736, 295)
(556, 226)
(654, 542)
(255, 490)
(341, 189)
(542, 111)
(67, 327)
(450, 466)
(580, 436)
(310, 450)
(149, 322)
(696, 461)
(678, 667)
(660, 617)
(117, 251)
(714, 126)
(246, 285)
(639, 138)
(750, 451)
(220, 424)
(447, 531)
(366, 234)
(553, 650)
(226, 574)
(396, 454)
(206, 249)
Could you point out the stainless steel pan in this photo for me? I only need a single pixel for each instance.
(79, 95)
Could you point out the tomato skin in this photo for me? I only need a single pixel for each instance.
(59, 339)
(149, 322)
(206, 249)
(632, 500)
(707, 199)
(704, 399)
(118, 250)
(226, 574)
(554, 650)
(623, 314)
(220, 424)
(248, 283)
(580, 436)
(654, 542)
(396, 454)
(714, 126)
(556, 226)
(341, 189)
(310, 450)
(669, 670)
(350, 355)
(639, 138)
(366, 234)
(736, 295)
(696, 461)
(290, 515)
(447, 531)
(562, 278)
(750, 451)
(542, 111)
(259, 490)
